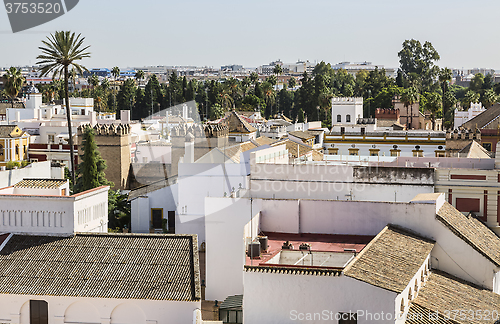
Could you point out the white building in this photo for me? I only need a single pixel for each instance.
(417, 246)
(44, 207)
(461, 117)
(99, 278)
(346, 110)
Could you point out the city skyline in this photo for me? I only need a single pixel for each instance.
(251, 34)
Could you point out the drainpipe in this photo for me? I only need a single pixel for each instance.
(298, 208)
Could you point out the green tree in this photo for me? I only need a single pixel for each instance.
(216, 111)
(13, 82)
(409, 97)
(433, 104)
(476, 84)
(115, 72)
(91, 169)
(118, 210)
(139, 76)
(488, 98)
(62, 50)
(254, 77)
(419, 59)
(470, 97)
(126, 95)
(292, 82)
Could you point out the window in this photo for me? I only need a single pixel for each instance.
(395, 152)
(39, 312)
(17, 149)
(418, 153)
(348, 318)
(353, 151)
(363, 130)
(157, 217)
(342, 130)
(171, 221)
(487, 146)
(83, 111)
(348, 118)
(440, 153)
(51, 139)
(339, 119)
(333, 151)
(374, 152)
(402, 308)
(1, 150)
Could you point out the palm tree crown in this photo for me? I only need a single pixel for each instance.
(13, 82)
(61, 51)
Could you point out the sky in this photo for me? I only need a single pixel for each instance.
(251, 33)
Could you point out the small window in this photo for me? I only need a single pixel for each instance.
(487, 146)
(395, 152)
(374, 152)
(348, 118)
(1, 150)
(39, 312)
(402, 308)
(418, 153)
(363, 130)
(342, 130)
(17, 149)
(339, 119)
(353, 151)
(51, 139)
(348, 318)
(410, 296)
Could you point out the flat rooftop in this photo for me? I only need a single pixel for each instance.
(328, 251)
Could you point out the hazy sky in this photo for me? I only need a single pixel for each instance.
(251, 33)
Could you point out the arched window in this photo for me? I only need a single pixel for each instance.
(416, 285)
(339, 119)
(348, 118)
(402, 308)
(1, 150)
(409, 294)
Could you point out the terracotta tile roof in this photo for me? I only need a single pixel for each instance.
(391, 259)
(296, 149)
(302, 135)
(41, 183)
(264, 140)
(475, 150)
(443, 293)
(472, 231)
(294, 271)
(131, 266)
(8, 131)
(420, 315)
(483, 118)
(237, 124)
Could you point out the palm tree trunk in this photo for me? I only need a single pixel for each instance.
(68, 117)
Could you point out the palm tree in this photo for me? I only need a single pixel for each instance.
(72, 75)
(278, 70)
(445, 76)
(139, 75)
(13, 81)
(115, 72)
(62, 49)
(408, 98)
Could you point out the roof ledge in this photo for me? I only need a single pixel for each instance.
(429, 198)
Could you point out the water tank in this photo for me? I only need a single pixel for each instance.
(264, 242)
(254, 249)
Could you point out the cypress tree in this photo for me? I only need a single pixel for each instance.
(90, 171)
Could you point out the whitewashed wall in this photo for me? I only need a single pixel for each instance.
(52, 215)
(338, 182)
(15, 308)
(197, 181)
(227, 225)
(38, 170)
(451, 254)
(273, 298)
(165, 198)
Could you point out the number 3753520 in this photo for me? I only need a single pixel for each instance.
(33, 8)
